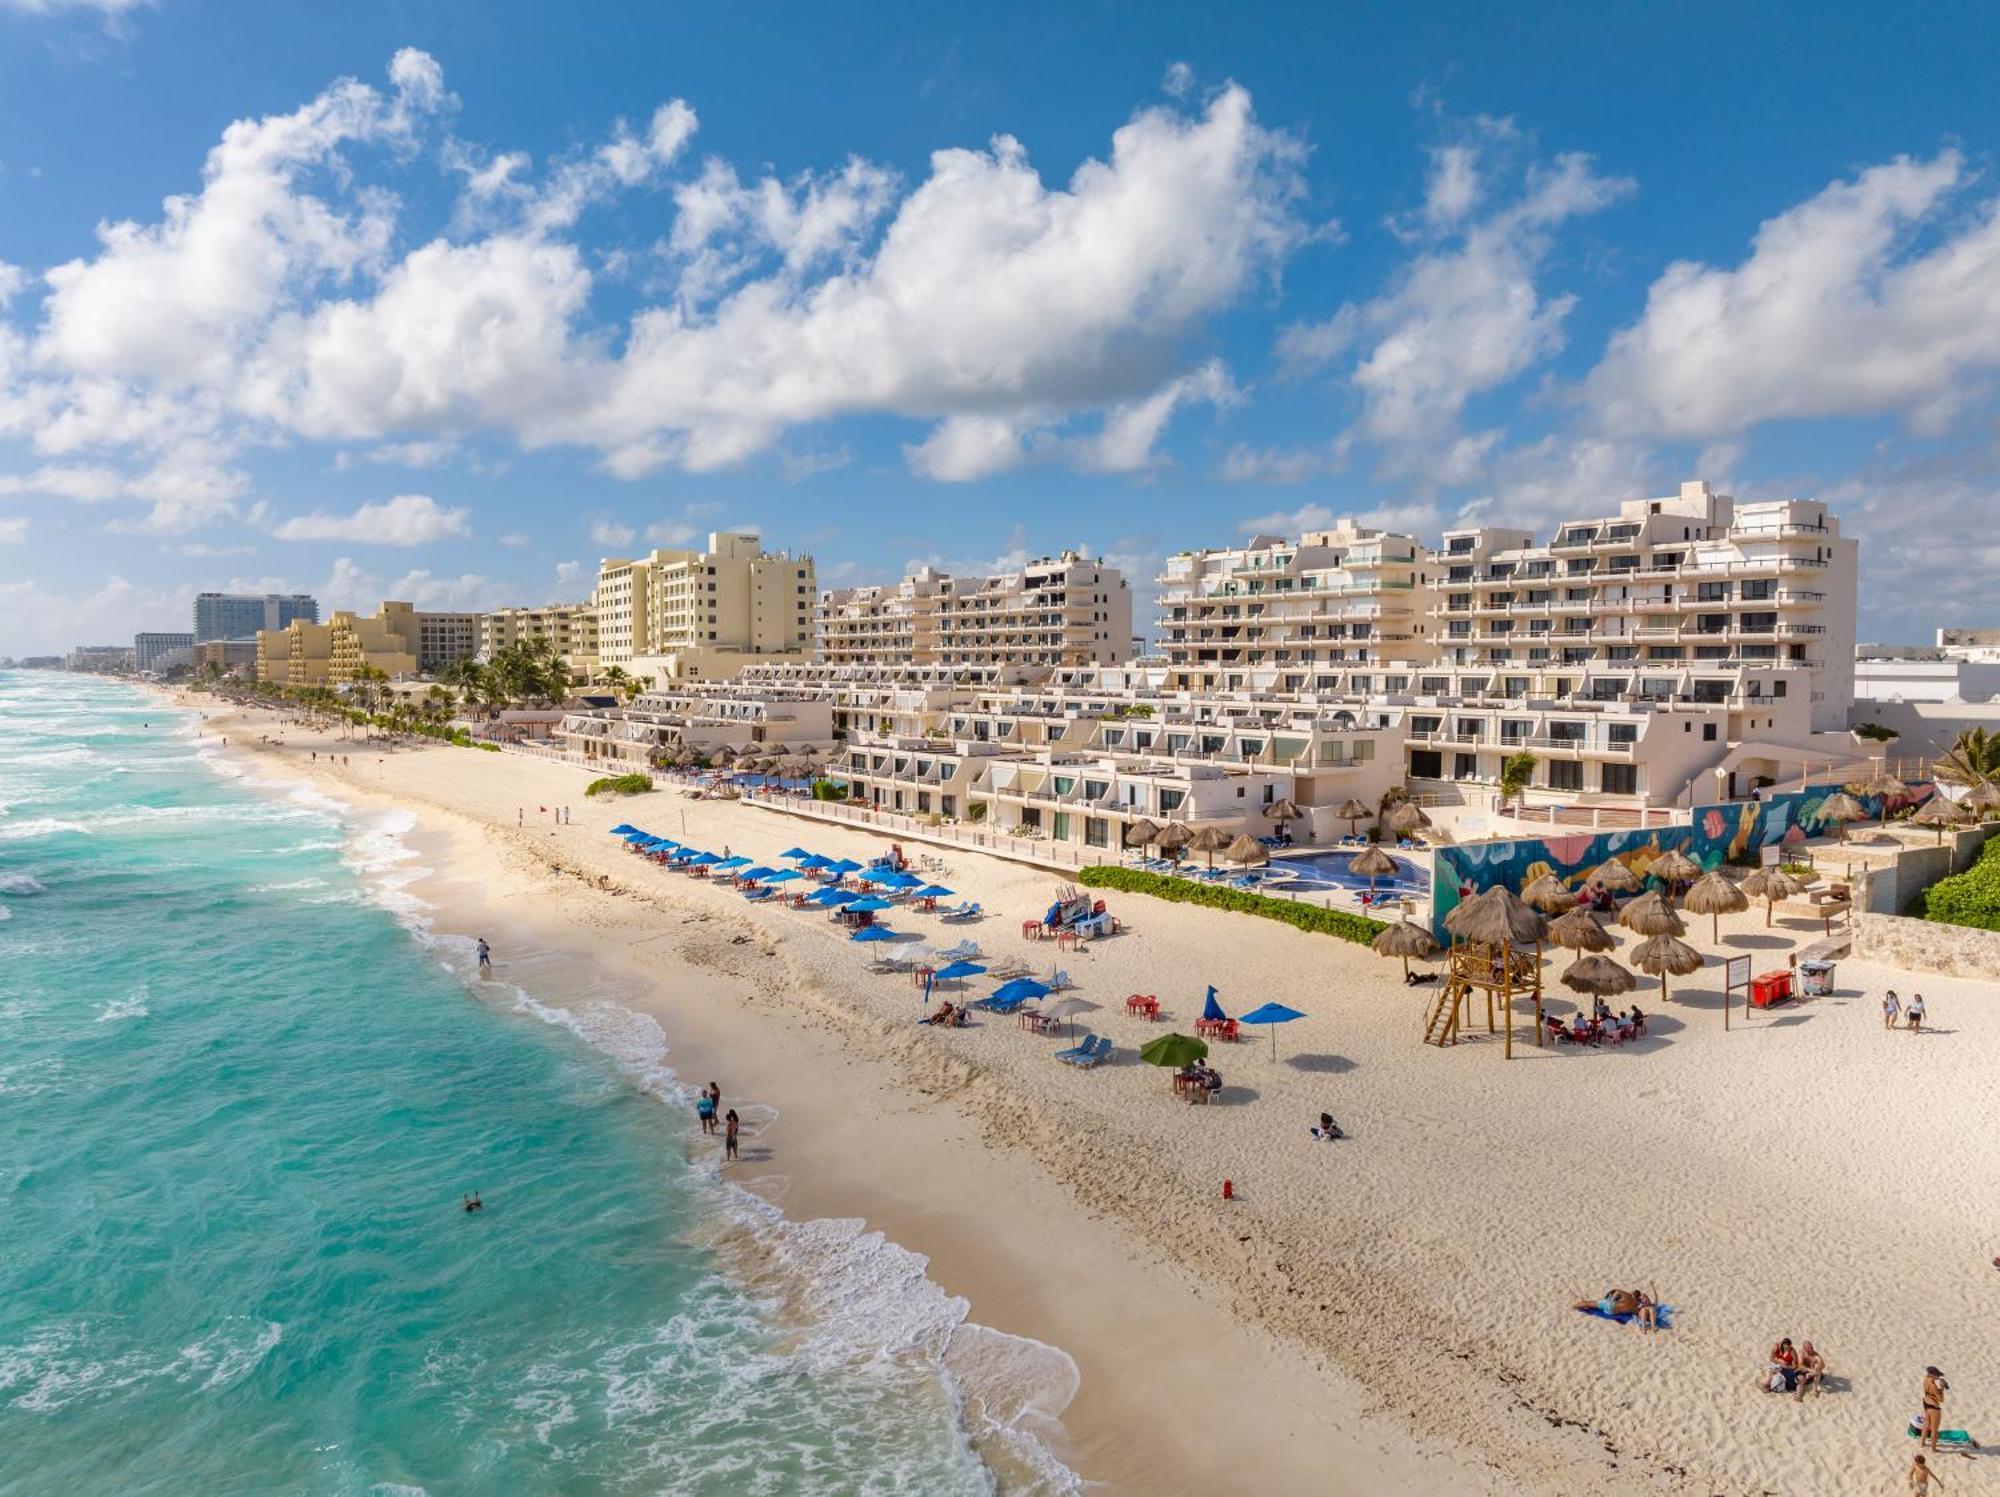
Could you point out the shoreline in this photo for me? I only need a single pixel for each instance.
(1416, 1277)
(1218, 1397)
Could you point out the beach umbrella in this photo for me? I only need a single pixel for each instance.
(958, 971)
(836, 896)
(795, 852)
(1673, 867)
(1408, 817)
(814, 861)
(1771, 885)
(878, 933)
(1598, 976)
(844, 866)
(933, 891)
(622, 828)
(633, 834)
(1715, 895)
(895, 880)
(1579, 931)
(1405, 940)
(1985, 796)
(1141, 832)
(1353, 812)
(737, 861)
(1069, 1008)
(1173, 1050)
(1651, 915)
(1497, 918)
(1211, 1009)
(1372, 863)
(1940, 812)
(1841, 809)
(751, 875)
(1021, 989)
(784, 876)
(1246, 850)
(1174, 836)
(1615, 876)
(708, 859)
(1549, 895)
(1282, 810)
(1272, 1014)
(871, 903)
(1211, 840)
(1663, 954)
(1881, 783)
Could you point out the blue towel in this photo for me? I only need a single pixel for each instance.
(1665, 1316)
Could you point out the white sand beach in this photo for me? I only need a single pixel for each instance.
(1385, 1314)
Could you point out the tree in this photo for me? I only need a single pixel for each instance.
(1517, 771)
(1974, 759)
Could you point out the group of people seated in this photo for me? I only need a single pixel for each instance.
(1795, 1370)
(1601, 1026)
(948, 1016)
(1203, 1080)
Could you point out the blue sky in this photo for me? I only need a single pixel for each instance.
(444, 301)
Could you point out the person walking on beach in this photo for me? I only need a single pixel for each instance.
(1921, 1476)
(730, 1123)
(1935, 1388)
(704, 1108)
(485, 958)
(1892, 1009)
(1915, 1013)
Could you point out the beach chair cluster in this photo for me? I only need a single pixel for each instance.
(1092, 1052)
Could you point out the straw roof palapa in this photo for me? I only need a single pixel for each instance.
(1599, 976)
(1373, 863)
(1771, 885)
(1246, 850)
(1985, 796)
(1353, 810)
(1715, 895)
(1140, 832)
(1579, 931)
(1879, 783)
(1283, 810)
(1175, 834)
(1674, 867)
(1841, 809)
(1663, 955)
(1941, 812)
(1209, 839)
(1405, 940)
(1615, 876)
(1549, 895)
(1651, 915)
(1497, 918)
(1408, 817)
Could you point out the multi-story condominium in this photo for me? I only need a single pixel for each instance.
(700, 615)
(1322, 613)
(444, 638)
(571, 628)
(99, 659)
(1063, 610)
(393, 640)
(225, 655)
(722, 715)
(161, 652)
(242, 615)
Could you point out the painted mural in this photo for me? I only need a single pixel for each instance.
(1732, 833)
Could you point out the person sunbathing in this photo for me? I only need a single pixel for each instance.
(942, 1016)
(1621, 1302)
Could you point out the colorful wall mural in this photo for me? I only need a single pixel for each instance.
(1732, 833)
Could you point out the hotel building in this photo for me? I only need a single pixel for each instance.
(397, 640)
(1060, 610)
(676, 615)
(571, 628)
(161, 652)
(242, 615)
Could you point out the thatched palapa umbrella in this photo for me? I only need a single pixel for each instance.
(1651, 915)
(1211, 840)
(1985, 796)
(1405, 940)
(1580, 931)
(1174, 836)
(1497, 918)
(1771, 885)
(1141, 832)
(1941, 812)
(1615, 876)
(1408, 817)
(1673, 867)
(1283, 810)
(1247, 850)
(1549, 895)
(1353, 812)
(1373, 863)
(1841, 809)
(1715, 895)
(1598, 976)
(1663, 954)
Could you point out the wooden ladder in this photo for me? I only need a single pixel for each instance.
(1441, 1023)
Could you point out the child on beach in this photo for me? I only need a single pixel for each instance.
(1892, 1009)
(729, 1135)
(1915, 1013)
(1921, 1476)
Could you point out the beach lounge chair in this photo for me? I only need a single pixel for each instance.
(1090, 1054)
(962, 914)
(1060, 981)
(1089, 1042)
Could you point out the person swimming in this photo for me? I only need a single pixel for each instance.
(473, 1203)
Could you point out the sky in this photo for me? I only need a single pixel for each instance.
(444, 300)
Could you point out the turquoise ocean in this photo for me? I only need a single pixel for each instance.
(242, 1087)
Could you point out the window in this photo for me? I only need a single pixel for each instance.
(1620, 779)
(1096, 832)
(1708, 732)
(1565, 774)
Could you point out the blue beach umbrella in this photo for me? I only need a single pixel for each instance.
(933, 891)
(633, 834)
(897, 880)
(835, 896)
(1022, 989)
(1212, 1010)
(739, 861)
(814, 860)
(871, 903)
(622, 828)
(783, 875)
(845, 865)
(876, 933)
(707, 860)
(958, 970)
(795, 852)
(1273, 1014)
(760, 871)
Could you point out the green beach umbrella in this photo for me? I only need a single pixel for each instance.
(1174, 1050)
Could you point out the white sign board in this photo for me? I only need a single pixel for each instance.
(1768, 855)
(1737, 970)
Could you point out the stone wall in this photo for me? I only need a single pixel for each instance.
(1926, 946)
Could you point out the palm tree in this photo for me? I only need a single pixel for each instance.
(1973, 760)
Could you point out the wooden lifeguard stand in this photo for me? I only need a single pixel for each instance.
(1502, 973)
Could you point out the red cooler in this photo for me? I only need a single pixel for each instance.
(1770, 988)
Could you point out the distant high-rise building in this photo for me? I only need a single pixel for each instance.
(161, 652)
(242, 615)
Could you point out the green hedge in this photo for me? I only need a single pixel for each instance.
(1968, 898)
(1307, 917)
(623, 784)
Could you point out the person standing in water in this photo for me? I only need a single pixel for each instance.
(485, 958)
(704, 1108)
(730, 1124)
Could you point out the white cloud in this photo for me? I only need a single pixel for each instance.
(961, 448)
(611, 533)
(13, 530)
(567, 572)
(1463, 317)
(1288, 522)
(1178, 80)
(84, 483)
(203, 550)
(13, 281)
(670, 533)
(1246, 463)
(431, 454)
(405, 520)
(1833, 313)
(799, 466)
(516, 538)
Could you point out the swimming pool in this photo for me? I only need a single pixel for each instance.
(1315, 871)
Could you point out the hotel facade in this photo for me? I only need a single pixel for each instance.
(676, 616)
(1064, 610)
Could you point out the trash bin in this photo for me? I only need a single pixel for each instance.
(1816, 979)
(1770, 988)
